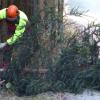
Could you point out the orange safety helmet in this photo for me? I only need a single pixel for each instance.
(12, 11)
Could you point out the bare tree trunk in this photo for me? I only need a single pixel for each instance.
(60, 13)
(4, 5)
(41, 7)
(3, 30)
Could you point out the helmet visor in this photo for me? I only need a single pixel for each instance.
(11, 19)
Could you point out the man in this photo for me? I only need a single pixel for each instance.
(16, 22)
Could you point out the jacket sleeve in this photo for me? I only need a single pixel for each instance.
(18, 33)
(3, 14)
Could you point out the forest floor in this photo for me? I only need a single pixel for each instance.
(86, 95)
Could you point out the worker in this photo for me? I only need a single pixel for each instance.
(16, 25)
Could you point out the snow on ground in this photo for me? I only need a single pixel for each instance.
(86, 95)
(84, 19)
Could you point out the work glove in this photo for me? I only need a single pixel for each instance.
(2, 45)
